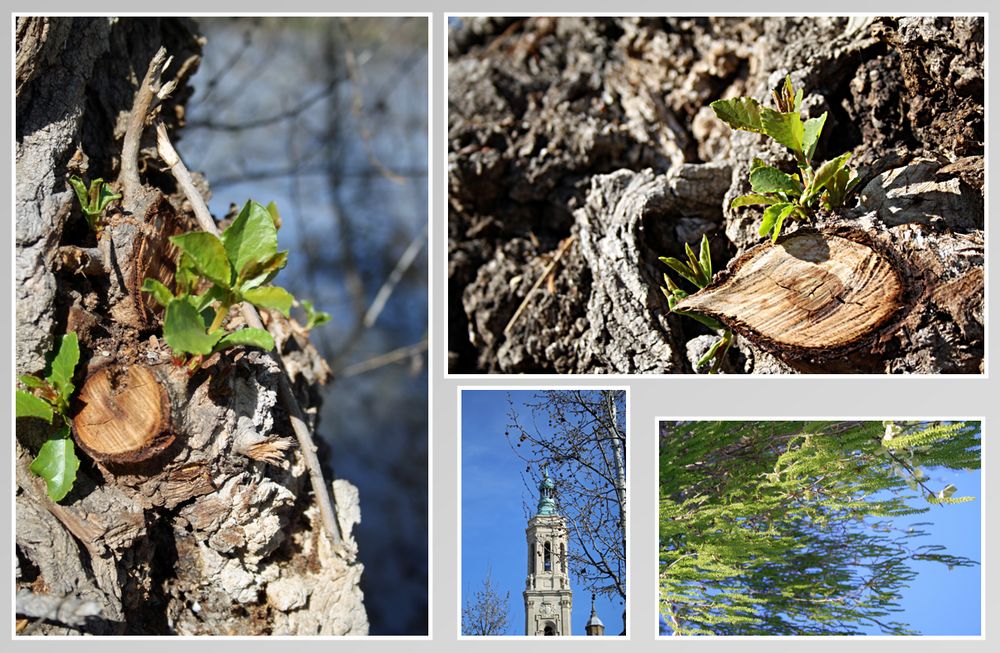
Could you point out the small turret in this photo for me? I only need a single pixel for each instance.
(595, 627)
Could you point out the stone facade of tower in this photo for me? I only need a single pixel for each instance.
(548, 599)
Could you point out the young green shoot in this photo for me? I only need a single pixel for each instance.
(783, 195)
(698, 271)
(47, 399)
(235, 268)
(94, 200)
(314, 318)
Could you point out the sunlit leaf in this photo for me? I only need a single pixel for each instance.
(781, 220)
(681, 269)
(752, 199)
(57, 464)
(184, 329)
(81, 192)
(765, 179)
(786, 128)
(64, 364)
(32, 381)
(249, 337)
(705, 258)
(270, 297)
(257, 273)
(28, 405)
(739, 113)
(251, 237)
(810, 135)
(160, 293)
(206, 255)
(827, 171)
(771, 215)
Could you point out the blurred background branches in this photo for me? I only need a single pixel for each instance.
(327, 117)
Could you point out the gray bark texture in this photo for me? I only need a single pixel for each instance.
(600, 130)
(217, 534)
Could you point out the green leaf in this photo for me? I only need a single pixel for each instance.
(28, 405)
(786, 128)
(781, 220)
(272, 208)
(205, 299)
(106, 197)
(740, 113)
(185, 277)
(32, 381)
(82, 195)
(207, 256)
(810, 135)
(160, 293)
(63, 366)
(250, 238)
(765, 179)
(270, 297)
(249, 337)
(315, 318)
(103, 196)
(948, 491)
(710, 354)
(705, 259)
(57, 464)
(771, 214)
(680, 268)
(752, 199)
(827, 171)
(184, 329)
(695, 266)
(256, 273)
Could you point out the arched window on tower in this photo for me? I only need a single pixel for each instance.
(548, 557)
(550, 630)
(532, 554)
(562, 557)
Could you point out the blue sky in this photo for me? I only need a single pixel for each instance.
(493, 518)
(940, 601)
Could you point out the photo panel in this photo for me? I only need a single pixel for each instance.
(820, 528)
(543, 528)
(716, 194)
(221, 357)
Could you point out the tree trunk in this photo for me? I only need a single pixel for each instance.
(600, 129)
(193, 513)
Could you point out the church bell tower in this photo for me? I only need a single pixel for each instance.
(548, 599)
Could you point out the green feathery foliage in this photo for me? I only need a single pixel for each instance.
(786, 528)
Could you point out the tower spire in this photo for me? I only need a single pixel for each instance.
(546, 495)
(594, 627)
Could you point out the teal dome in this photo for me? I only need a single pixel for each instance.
(546, 495)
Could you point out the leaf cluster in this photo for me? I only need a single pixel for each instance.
(235, 268)
(697, 269)
(48, 399)
(93, 200)
(785, 195)
(778, 528)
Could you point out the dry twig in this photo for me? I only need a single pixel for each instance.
(563, 248)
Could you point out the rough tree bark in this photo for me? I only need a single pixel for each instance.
(600, 130)
(211, 528)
